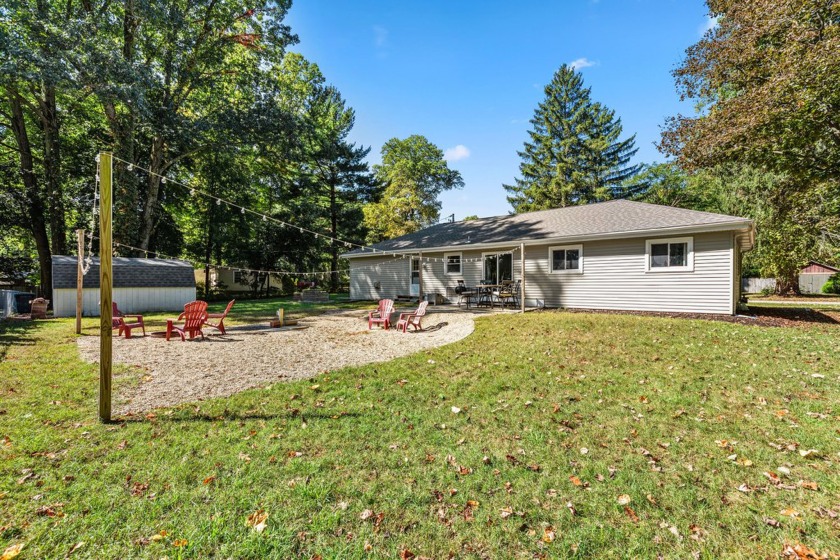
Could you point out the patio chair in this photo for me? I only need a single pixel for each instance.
(194, 315)
(413, 319)
(124, 323)
(382, 315)
(220, 326)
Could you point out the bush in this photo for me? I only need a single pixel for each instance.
(833, 285)
(766, 291)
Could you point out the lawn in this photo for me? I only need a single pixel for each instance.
(548, 434)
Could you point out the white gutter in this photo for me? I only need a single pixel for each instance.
(745, 227)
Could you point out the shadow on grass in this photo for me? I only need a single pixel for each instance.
(180, 417)
(794, 315)
(16, 331)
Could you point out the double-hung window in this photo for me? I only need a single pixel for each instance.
(453, 263)
(670, 255)
(567, 259)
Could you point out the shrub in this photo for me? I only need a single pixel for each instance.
(833, 285)
(767, 290)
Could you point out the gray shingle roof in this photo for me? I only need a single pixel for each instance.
(590, 220)
(128, 273)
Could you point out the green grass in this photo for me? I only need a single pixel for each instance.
(661, 403)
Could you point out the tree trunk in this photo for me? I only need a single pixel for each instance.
(52, 168)
(152, 191)
(334, 234)
(208, 247)
(37, 221)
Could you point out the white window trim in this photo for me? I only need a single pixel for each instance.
(689, 241)
(578, 270)
(446, 264)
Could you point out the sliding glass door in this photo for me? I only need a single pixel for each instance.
(498, 267)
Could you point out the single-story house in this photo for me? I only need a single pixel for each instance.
(139, 285)
(233, 280)
(610, 255)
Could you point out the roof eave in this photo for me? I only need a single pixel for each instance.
(741, 226)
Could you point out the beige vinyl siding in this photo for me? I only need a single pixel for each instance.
(129, 300)
(393, 275)
(614, 277)
(435, 280)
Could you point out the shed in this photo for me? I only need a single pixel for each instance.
(139, 285)
(814, 275)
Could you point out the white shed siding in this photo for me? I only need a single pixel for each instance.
(129, 300)
(614, 277)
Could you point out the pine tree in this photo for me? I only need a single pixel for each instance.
(574, 155)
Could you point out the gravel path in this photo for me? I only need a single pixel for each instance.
(254, 356)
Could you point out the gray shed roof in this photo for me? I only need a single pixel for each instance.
(128, 273)
(604, 219)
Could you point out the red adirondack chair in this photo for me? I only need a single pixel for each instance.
(124, 323)
(382, 315)
(413, 318)
(221, 317)
(194, 315)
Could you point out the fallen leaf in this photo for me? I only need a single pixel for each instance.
(549, 534)
(366, 514)
(651, 499)
(788, 512)
(183, 542)
(631, 514)
(455, 410)
(158, 537)
(506, 512)
(624, 499)
(75, 547)
(808, 453)
(575, 480)
(472, 503)
(257, 520)
(772, 522)
(210, 479)
(12, 551)
(406, 554)
(810, 485)
(801, 552)
(584, 451)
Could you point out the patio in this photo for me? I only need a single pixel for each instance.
(255, 355)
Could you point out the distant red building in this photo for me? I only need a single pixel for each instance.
(818, 268)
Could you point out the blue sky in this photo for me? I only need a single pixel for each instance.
(468, 75)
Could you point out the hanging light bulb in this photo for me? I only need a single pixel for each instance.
(131, 167)
(97, 177)
(301, 229)
(163, 180)
(265, 218)
(218, 202)
(243, 211)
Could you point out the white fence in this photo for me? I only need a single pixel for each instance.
(808, 284)
(755, 285)
(7, 303)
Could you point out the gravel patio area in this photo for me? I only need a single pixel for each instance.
(255, 355)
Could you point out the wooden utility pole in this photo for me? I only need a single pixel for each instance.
(80, 278)
(522, 267)
(105, 278)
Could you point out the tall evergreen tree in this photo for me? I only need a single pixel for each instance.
(574, 154)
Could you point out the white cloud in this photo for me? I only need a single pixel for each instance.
(708, 25)
(581, 62)
(380, 36)
(458, 152)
